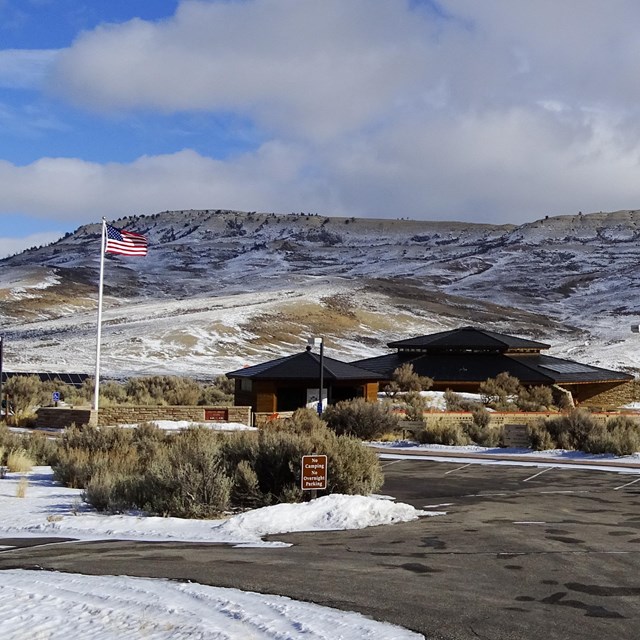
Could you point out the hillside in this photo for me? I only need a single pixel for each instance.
(220, 289)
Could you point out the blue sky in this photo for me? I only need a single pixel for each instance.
(494, 111)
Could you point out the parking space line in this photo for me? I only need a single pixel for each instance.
(622, 486)
(464, 466)
(567, 491)
(390, 463)
(537, 474)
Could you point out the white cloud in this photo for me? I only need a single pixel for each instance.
(507, 165)
(10, 246)
(25, 68)
(494, 111)
(73, 189)
(313, 68)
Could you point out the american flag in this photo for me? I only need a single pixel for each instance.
(125, 242)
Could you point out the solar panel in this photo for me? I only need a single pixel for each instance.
(73, 379)
(568, 367)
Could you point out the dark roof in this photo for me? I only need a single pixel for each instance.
(386, 365)
(468, 338)
(532, 369)
(566, 371)
(304, 366)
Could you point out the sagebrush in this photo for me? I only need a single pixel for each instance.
(203, 473)
(361, 419)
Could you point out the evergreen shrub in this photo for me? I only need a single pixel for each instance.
(620, 437)
(571, 430)
(447, 434)
(479, 430)
(361, 419)
(200, 473)
(539, 437)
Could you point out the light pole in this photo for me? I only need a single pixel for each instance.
(6, 413)
(314, 342)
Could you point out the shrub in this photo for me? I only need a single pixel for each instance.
(481, 417)
(40, 448)
(535, 399)
(24, 393)
(447, 434)
(201, 473)
(189, 481)
(415, 406)
(8, 439)
(353, 468)
(100, 491)
(172, 390)
(497, 392)
(112, 392)
(302, 421)
(456, 402)
(479, 430)
(245, 492)
(539, 437)
(361, 419)
(571, 431)
(83, 451)
(404, 378)
(277, 464)
(19, 461)
(21, 489)
(620, 436)
(220, 392)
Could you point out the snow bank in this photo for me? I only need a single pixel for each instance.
(51, 510)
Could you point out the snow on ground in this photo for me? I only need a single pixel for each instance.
(61, 606)
(557, 458)
(51, 510)
(179, 425)
(435, 399)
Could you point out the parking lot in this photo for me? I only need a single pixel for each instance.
(519, 552)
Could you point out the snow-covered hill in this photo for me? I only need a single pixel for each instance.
(220, 289)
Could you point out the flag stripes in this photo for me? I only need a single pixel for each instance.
(125, 243)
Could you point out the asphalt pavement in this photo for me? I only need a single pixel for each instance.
(521, 553)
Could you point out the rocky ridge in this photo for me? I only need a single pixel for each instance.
(220, 289)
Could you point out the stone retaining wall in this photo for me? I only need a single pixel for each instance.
(61, 417)
(618, 396)
(130, 414)
(500, 419)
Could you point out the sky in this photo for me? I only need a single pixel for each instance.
(499, 111)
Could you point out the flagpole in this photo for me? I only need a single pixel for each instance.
(96, 392)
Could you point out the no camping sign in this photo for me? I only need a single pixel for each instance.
(314, 473)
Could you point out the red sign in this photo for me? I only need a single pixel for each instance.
(217, 415)
(314, 472)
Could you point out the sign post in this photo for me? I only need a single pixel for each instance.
(314, 473)
(55, 397)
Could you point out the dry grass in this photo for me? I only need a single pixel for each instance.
(21, 490)
(182, 338)
(390, 436)
(72, 289)
(18, 461)
(335, 316)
